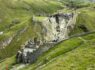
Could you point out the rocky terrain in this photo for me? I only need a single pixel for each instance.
(55, 29)
(47, 34)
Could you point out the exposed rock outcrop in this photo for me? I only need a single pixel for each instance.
(54, 29)
(1, 32)
(26, 54)
(58, 26)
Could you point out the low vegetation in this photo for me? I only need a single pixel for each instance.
(16, 20)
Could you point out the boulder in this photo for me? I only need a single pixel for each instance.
(1, 32)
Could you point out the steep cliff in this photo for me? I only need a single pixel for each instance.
(54, 29)
(58, 26)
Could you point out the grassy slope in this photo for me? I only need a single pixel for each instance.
(81, 58)
(59, 49)
(77, 54)
(7, 63)
(86, 17)
(23, 10)
(74, 53)
(74, 47)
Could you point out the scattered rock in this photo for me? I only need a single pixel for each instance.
(1, 33)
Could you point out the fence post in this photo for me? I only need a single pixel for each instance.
(6, 66)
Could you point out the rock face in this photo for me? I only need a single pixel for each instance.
(25, 55)
(54, 29)
(58, 26)
(30, 52)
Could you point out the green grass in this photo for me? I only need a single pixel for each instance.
(72, 54)
(81, 58)
(23, 10)
(86, 17)
(7, 63)
(66, 53)
(59, 49)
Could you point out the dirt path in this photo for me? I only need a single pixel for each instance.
(82, 39)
